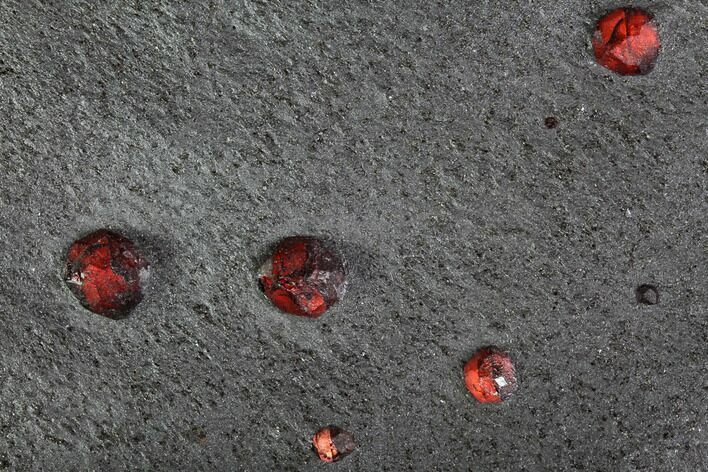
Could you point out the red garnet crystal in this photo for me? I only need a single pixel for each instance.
(333, 443)
(626, 41)
(490, 375)
(303, 277)
(106, 273)
(647, 294)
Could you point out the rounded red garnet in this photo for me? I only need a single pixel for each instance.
(626, 41)
(303, 277)
(333, 443)
(647, 294)
(490, 375)
(106, 272)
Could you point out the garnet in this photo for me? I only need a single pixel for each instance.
(647, 295)
(551, 122)
(490, 375)
(106, 273)
(303, 277)
(333, 443)
(626, 41)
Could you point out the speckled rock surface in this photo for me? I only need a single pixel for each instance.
(412, 133)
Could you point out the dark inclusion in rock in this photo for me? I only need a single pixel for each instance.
(490, 375)
(106, 273)
(626, 41)
(647, 295)
(303, 277)
(551, 122)
(333, 443)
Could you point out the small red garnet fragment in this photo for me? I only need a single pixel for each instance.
(106, 273)
(626, 41)
(490, 375)
(333, 443)
(303, 277)
(647, 294)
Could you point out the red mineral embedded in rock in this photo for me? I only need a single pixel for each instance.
(626, 41)
(490, 375)
(333, 443)
(647, 294)
(106, 273)
(303, 277)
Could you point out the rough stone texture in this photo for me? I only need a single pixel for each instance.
(413, 134)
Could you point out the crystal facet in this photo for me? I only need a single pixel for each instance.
(333, 443)
(106, 273)
(303, 277)
(490, 375)
(626, 41)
